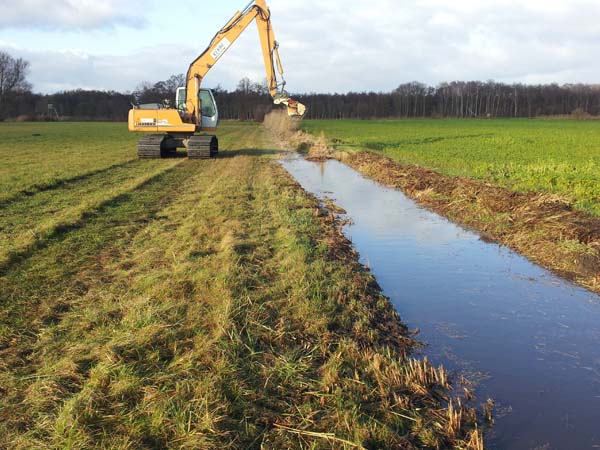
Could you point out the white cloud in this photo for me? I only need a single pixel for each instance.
(73, 69)
(337, 46)
(69, 14)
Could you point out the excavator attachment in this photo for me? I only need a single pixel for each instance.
(295, 110)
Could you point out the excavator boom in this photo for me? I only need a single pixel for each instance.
(257, 11)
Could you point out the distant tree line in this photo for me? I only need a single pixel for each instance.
(251, 100)
(413, 100)
(459, 99)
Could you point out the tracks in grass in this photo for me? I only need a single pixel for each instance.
(60, 183)
(27, 224)
(71, 249)
(55, 282)
(57, 320)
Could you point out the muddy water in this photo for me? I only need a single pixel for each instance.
(529, 339)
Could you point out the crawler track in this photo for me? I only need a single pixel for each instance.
(203, 147)
(152, 147)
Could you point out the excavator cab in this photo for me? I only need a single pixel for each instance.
(208, 107)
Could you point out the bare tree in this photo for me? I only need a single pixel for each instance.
(160, 91)
(174, 82)
(245, 86)
(13, 80)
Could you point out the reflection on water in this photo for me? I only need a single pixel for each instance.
(529, 339)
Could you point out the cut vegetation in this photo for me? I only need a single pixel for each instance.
(196, 304)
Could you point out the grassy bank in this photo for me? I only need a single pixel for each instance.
(530, 185)
(559, 157)
(200, 304)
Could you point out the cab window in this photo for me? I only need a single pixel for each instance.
(181, 93)
(206, 103)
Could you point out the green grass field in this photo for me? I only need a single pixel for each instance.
(27, 165)
(552, 156)
(192, 304)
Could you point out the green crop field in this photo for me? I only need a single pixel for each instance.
(552, 156)
(192, 304)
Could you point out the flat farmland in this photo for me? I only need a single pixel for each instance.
(560, 157)
(194, 304)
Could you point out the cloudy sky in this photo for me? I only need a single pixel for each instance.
(326, 45)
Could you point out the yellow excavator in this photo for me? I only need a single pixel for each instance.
(195, 112)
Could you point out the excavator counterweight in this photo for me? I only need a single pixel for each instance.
(195, 111)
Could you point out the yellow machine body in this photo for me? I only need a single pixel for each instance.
(159, 121)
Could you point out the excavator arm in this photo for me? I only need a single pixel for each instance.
(257, 11)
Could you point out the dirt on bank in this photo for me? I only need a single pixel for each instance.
(542, 227)
(545, 228)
